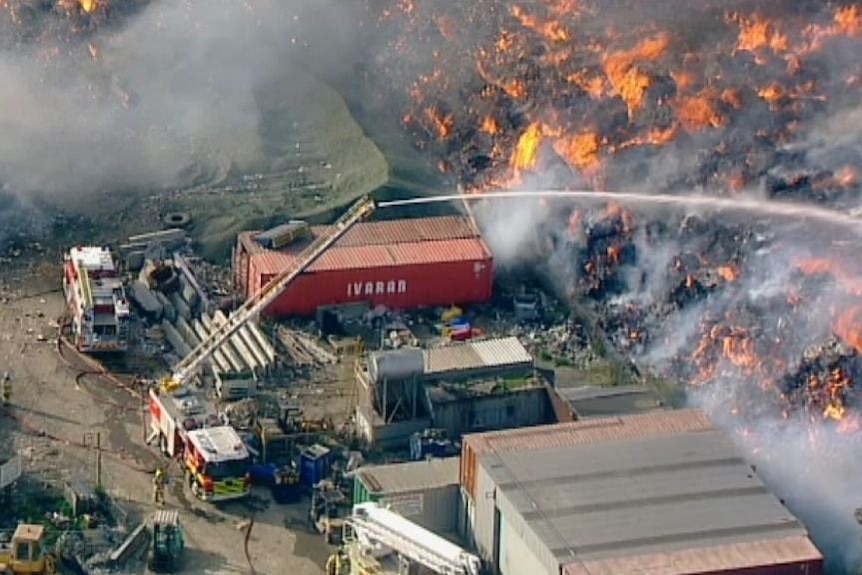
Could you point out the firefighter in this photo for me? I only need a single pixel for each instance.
(159, 486)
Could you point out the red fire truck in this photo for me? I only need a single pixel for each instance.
(214, 458)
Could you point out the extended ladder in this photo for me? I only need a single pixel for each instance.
(375, 524)
(261, 300)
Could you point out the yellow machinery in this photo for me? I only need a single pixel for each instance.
(25, 554)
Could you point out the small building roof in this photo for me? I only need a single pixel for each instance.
(664, 489)
(590, 401)
(412, 476)
(475, 355)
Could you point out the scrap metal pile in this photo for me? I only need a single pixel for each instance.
(719, 97)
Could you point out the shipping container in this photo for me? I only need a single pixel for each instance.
(402, 264)
(425, 492)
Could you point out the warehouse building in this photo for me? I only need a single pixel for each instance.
(461, 387)
(425, 492)
(400, 264)
(663, 493)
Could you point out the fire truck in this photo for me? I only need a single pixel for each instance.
(96, 300)
(215, 460)
(187, 425)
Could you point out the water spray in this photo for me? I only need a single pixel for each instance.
(753, 206)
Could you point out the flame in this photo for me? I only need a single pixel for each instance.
(698, 112)
(848, 21)
(527, 150)
(756, 33)
(627, 79)
(849, 327)
(442, 123)
(490, 126)
(88, 6)
(580, 151)
(728, 273)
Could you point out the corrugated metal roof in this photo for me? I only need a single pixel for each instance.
(647, 489)
(413, 476)
(718, 558)
(476, 355)
(503, 351)
(389, 232)
(409, 230)
(376, 256)
(591, 431)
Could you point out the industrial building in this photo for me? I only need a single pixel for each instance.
(425, 492)
(461, 388)
(400, 264)
(664, 493)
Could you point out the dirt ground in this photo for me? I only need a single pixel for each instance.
(61, 415)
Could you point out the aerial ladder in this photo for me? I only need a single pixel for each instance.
(373, 530)
(261, 300)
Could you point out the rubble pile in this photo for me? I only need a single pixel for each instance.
(597, 92)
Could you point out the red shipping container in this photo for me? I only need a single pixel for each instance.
(401, 264)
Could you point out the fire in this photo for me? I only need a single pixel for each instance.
(629, 82)
(698, 112)
(527, 151)
(491, 126)
(442, 123)
(580, 151)
(849, 327)
(728, 273)
(756, 33)
(848, 21)
(89, 6)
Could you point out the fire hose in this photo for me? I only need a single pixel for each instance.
(245, 544)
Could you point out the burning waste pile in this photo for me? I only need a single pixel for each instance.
(759, 316)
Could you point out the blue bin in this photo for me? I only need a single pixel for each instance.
(314, 465)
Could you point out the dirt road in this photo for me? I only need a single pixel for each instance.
(61, 413)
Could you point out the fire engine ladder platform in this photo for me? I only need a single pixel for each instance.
(260, 301)
(372, 523)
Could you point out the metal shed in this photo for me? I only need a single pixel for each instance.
(425, 492)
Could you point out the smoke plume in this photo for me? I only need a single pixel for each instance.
(162, 97)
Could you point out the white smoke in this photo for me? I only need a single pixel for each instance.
(169, 99)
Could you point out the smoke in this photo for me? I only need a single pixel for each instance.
(167, 99)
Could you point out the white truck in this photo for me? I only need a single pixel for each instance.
(96, 300)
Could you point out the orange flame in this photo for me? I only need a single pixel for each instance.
(849, 327)
(490, 126)
(627, 79)
(527, 150)
(580, 151)
(757, 33)
(728, 273)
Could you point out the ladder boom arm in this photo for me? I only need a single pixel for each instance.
(376, 524)
(258, 302)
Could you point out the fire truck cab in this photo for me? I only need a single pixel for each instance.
(216, 462)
